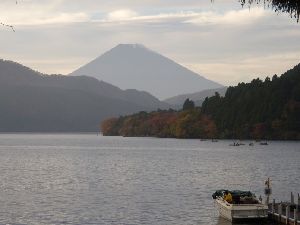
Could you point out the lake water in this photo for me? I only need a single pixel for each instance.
(90, 179)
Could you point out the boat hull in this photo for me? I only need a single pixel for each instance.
(241, 212)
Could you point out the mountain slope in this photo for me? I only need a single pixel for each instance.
(197, 97)
(136, 67)
(31, 101)
(16, 74)
(268, 109)
(44, 109)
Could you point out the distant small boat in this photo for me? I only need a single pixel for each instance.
(239, 143)
(264, 143)
(235, 144)
(251, 144)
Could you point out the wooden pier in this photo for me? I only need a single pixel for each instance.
(286, 212)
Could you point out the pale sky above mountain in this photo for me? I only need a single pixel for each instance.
(221, 41)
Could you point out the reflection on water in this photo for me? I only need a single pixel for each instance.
(88, 179)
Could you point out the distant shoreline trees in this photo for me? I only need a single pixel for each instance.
(188, 104)
(267, 109)
(190, 123)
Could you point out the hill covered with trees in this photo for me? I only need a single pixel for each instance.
(268, 109)
(260, 109)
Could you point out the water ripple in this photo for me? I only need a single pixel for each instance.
(89, 179)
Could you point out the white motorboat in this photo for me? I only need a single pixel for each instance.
(244, 206)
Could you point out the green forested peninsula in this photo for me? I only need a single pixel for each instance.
(268, 109)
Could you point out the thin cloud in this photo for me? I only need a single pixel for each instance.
(131, 16)
(234, 17)
(39, 18)
(49, 14)
(122, 14)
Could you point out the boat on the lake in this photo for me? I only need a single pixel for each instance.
(239, 206)
(235, 144)
(264, 143)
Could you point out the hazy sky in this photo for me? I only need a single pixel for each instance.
(221, 41)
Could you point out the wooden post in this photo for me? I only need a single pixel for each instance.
(279, 212)
(298, 205)
(295, 216)
(287, 214)
(273, 206)
(268, 190)
(292, 198)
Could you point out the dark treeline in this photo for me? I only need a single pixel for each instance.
(267, 109)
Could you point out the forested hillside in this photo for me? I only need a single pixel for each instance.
(267, 109)
(260, 109)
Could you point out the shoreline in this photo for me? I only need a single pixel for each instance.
(152, 137)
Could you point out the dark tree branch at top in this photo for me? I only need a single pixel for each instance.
(287, 6)
(9, 26)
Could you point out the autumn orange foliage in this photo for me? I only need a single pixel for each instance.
(183, 124)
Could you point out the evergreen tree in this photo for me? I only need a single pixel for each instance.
(188, 105)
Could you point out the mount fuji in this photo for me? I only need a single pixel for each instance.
(133, 66)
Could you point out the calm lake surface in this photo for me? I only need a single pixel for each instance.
(90, 179)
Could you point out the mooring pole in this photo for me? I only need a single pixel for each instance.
(273, 206)
(279, 212)
(298, 205)
(292, 198)
(268, 190)
(295, 216)
(287, 214)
